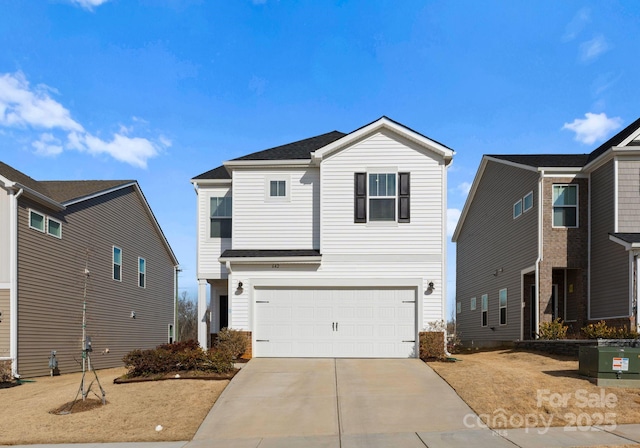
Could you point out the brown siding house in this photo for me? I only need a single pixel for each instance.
(585, 228)
(65, 233)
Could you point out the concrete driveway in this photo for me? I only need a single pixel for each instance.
(339, 403)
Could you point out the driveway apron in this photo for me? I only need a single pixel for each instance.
(331, 402)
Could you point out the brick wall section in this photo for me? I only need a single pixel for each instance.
(565, 248)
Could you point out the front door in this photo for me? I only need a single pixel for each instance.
(224, 312)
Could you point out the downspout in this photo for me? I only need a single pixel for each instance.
(540, 250)
(13, 275)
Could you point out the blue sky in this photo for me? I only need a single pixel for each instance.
(163, 90)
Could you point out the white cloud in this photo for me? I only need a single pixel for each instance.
(24, 107)
(21, 106)
(593, 127)
(593, 48)
(48, 145)
(577, 24)
(464, 188)
(88, 4)
(453, 215)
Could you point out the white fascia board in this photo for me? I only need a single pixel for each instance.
(555, 171)
(598, 162)
(215, 182)
(270, 260)
(384, 123)
(100, 193)
(634, 135)
(627, 246)
(235, 164)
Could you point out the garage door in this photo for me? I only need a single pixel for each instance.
(340, 323)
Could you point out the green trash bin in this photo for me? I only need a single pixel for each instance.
(611, 366)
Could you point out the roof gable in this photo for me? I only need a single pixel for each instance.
(384, 123)
(628, 136)
(219, 173)
(74, 190)
(300, 150)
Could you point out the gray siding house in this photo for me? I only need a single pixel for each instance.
(550, 236)
(50, 232)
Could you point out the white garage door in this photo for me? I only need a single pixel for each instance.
(340, 323)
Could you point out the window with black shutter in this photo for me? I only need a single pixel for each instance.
(360, 189)
(375, 196)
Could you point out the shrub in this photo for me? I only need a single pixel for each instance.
(602, 331)
(432, 345)
(190, 344)
(553, 330)
(232, 341)
(5, 372)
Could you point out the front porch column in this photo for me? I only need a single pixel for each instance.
(203, 315)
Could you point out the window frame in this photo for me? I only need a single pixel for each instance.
(49, 221)
(576, 206)
(472, 304)
(114, 264)
(502, 306)
(44, 221)
(287, 188)
(525, 209)
(142, 274)
(484, 306)
(458, 307)
(220, 218)
(384, 197)
(518, 205)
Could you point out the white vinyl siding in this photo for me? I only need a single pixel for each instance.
(423, 235)
(276, 224)
(210, 249)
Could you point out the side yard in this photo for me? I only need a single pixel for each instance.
(132, 413)
(511, 389)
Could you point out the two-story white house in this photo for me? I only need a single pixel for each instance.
(332, 246)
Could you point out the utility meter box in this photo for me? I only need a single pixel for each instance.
(611, 366)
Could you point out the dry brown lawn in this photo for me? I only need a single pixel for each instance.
(131, 415)
(511, 389)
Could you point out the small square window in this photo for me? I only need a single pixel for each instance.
(473, 303)
(278, 188)
(458, 307)
(54, 228)
(36, 220)
(528, 202)
(517, 209)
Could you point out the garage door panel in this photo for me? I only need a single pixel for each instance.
(335, 322)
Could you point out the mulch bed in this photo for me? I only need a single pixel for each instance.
(178, 376)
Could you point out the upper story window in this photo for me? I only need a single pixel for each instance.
(117, 263)
(565, 206)
(484, 302)
(36, 220)
(503, 306)
(517, 209)
(527, 202)
(381, 197)
(142, 272)
(472, 305)
(220, 217)
(278, 188)
(54, 227)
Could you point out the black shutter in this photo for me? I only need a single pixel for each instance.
(360, 195)
(403, 197)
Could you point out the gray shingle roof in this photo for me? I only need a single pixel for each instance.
(545, 160)
(231, 253)
(627, 237)
(615, 140)
(301, 149)
(60, 190)
(219, 173)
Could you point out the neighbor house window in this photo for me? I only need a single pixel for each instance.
(517, 209)
(382, 197)
(220, 226)
(142, 273)
(458, 307)
(170, 335)
(54, 228)
(503, 306)
(36, 220)
(527, 202)
(565, 206)
(485, 309)
(473, 303)
(117, 263)
(278, 188)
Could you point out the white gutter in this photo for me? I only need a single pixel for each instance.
(540, 249)
(13, 279)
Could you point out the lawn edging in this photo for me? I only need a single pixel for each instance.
(571, 347)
